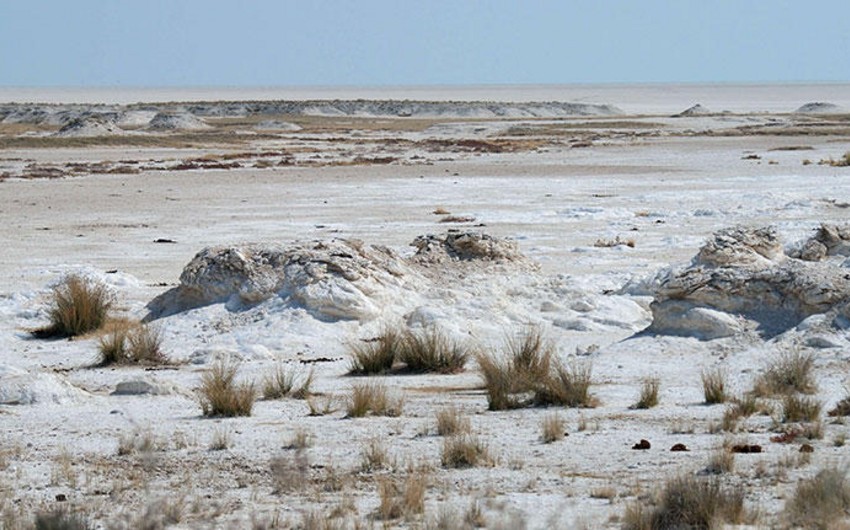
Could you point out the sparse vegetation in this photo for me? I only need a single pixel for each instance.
(220, 395)
(289, 472)
(373, 456)
(60, 519)
(372, 398)
(78, 306)
(127, 343)
(220, 440)
(648, 394)
(820, 501)
(552, 428)
(688, 502)
(842, 408)
(714, 386)
(402, 498)
(721, 461)
(375, 356)
(300, 439)
(137, 441)
(616, 242)
(844, 161)
(464, 451)
(287, 381)
(430, 350)
(800, 409)
(528, 375)
(791, 372)
(450, 422)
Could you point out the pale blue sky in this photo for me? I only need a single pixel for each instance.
(419, 42)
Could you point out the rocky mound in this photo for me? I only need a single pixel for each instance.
(336, 279)
(829, 240)
(19, 387)
(176, 121)
(89, 126)
(818, 107)
(465, 246)
(742, 277)
(696, 110)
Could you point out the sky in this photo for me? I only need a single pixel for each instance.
(114, 43)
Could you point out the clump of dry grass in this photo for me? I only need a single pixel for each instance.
(376, 356)
(220, 440)
(300, 439)
(616, 242)
(528, 375)
(373, 456)
(78, 306)
(450, 422)
(287, 382)
(800, 409)
(842, 408)
(714, 386)
(289, 472)
(372, 398)
(402, 498)
(722, 460)
(137, 441)
(464, 451)
(60, 519)
(552, 428)
(431, 350)
(791, 372)
(688, 502)
(648, 397)
(567, 386)
(220, 395)
(844, 161)
(821, 501)
(127, 343)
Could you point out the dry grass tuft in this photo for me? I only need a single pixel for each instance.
(721, 461)
(464, 451)
(800, 409)
(842, 408)
(78, 306)
(648, 397)
(127, 343)
(376, 356)
(821, 501)
(372, 398)
(289, 472)
(552, 428)
(791, 372)
(402, 498)
(373, 456)
(221, 396)
(287, 382)
(220, 440)
(451, 422)
(714, 386)
(688, 502)
(60, 519)
(430, 350)
(528, 375)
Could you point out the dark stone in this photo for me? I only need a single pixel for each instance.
(642, 445)
(679, 447)
(746, 449)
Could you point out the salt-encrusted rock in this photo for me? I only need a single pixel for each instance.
(138, 387)
(829, 240)
(19, 387)
(89, 126)
(818, 107)
(336, 279)
(695, 110)
(176, 121)
(744, 272)
(466, 246)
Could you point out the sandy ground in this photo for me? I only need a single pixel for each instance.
(665, 185)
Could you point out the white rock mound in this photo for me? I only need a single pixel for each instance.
(466, 246)
(336, 279)
(89, 126)
(19, 387)
(696, 110)
(176, 121)
(742, 275)
(819, 107)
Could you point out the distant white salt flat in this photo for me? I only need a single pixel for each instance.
(632, 98)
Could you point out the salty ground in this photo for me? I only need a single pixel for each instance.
(600, 205)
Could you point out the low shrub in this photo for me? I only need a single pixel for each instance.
(78, 306)
(287, 382)
(430, 350)
(376, 356)
(372, 398)
(648, 394)
(464, 451)
(714, 386)
(820, 501)
(127, 343)
(688, 502)
(450, 422)
(552, 428)
(565, 385)
(220, 395)
(800, 409)
(402, 498)
(791, 372)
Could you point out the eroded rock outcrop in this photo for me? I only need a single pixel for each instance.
(742, 275)
(335, 279)
(465, 246)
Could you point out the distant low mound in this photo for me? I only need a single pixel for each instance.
(696, 110)
(176, 121)
(89, 126)
(819, 107)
